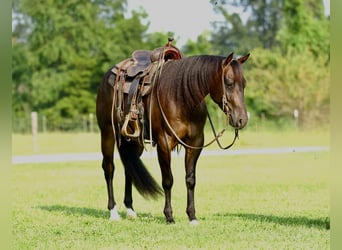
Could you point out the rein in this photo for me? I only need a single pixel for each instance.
(221, 133)
(216, 136)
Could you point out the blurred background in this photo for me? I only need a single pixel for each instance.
(61, 49)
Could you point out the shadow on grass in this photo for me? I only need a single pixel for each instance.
(149, 218)
(83, 211)
(320, 223)
(97, 213)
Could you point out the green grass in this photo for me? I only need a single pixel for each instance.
(90, 142)
(242, 202)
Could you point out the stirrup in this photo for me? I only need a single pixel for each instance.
(136, 129)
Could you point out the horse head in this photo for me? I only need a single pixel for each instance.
(233, 86)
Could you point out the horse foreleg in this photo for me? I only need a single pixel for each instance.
(191, 157)
(107, 147)
(164, 158)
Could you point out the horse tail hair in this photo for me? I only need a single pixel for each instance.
(135, 168)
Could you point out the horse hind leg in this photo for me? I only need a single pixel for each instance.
(107, 147)
(137, 174)
(128, 200)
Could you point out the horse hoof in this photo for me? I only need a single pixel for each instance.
(170, 222)
(194, 223)
(114, 215)
(131, 214)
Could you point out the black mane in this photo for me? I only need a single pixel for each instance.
(187, 80)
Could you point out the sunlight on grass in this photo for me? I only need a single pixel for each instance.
(242, 202)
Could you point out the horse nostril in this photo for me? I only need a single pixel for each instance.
(240, 123)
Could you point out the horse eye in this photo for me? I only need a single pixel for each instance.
(230, 84)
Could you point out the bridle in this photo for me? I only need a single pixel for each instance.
(226, 110)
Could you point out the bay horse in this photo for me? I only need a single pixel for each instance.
(177, 109)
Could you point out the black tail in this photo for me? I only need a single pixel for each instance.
(141, 178)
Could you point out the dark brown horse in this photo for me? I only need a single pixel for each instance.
(178, 112)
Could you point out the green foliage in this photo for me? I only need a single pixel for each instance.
(68, 47)
(289, 66)
(157, 39)
(201, 46)
(61, 51)
(241, 36)
(21, 79)
(278, 84)
(305, 27)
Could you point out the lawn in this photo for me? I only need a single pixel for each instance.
(48, 143)
(242, 202)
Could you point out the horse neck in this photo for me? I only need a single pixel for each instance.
(213, 78)
(204, 78)
(186, 82)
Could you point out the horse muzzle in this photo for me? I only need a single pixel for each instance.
(237, 122)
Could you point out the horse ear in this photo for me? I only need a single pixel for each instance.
(228, 59)
(243, 58)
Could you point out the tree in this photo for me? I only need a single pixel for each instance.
(70, 45)
(157, 39)
(278, 84)
(305, 26)
(21, 83)
(289, 65)
(241, 36)
(200, 46)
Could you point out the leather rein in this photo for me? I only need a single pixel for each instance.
(225, 108)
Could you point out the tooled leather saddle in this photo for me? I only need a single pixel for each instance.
(132, 79)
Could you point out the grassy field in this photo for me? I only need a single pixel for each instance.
(242, 202)
(90, 142)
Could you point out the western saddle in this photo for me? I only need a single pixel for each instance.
(132, 79)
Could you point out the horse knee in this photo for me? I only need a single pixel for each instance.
(190, 180)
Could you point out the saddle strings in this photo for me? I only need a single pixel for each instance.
(154, 78)
(115, 93)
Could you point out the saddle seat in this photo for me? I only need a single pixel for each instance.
(141, 60)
